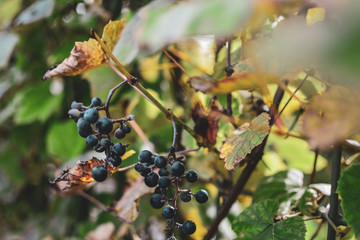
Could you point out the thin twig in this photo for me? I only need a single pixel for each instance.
(142, 135)
(111, 93)
(317, 231)
(174, 137)
(94, 201)
(313, 174)
(187, 151)
(176, 62)
(126, 168)
(301, 111)
(293, 94)
(108, 52)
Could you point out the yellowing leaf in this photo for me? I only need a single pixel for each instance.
(315, 15)
(127, 208)
(243, 140)
(112, 32)
(332, 117)
(87, 55)
(84, 56)
(239, 81)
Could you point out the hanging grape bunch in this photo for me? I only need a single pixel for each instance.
(163, 180)
(97, 131)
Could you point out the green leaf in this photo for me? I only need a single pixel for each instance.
(280, 186)
(243, 140)
(349, 190)
(37, 103)
(63, 140)
(7, 43)
(198, 17)
(257, 222)
(38, 10)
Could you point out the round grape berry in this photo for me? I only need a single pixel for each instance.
(115, 161)
(99, 148)
(120, 133)
(145, 156)
(160, 161)
(118, 149)
(91, 115)
(185, 197)
(201, 196)
(191, 176)
(177, 169)
(146, 171)
(188, 227)
(105, 142)
(104, 125)
(156, 201)
(139, 167)
(91, 140)
(164, 182)
(76, 105)
(96, 101)
(99, 173)
(163, 172)
(127, 129)
(84, 127)
(168, 212)
(151, 180)
(74, 114)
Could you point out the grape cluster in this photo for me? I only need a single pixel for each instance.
(96, 130)
(171, 172)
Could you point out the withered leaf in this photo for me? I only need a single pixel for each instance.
(127, 208)
(332, 117)
(243, 140)
(206, 121)
(238, 81)
(74, 178)
(87, 55)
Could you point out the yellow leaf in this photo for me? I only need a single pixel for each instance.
(87, 55)
(84, 56)
(112, 32)
(315, 15)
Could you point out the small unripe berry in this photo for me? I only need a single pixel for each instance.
(96, 102)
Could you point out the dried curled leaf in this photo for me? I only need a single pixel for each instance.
(206, 121)
(87, 55)
(72, 178)
(238, 81)
(243, 140)
(332, 117)
(104, 231)
(127, 208)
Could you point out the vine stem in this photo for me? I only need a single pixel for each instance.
(94, 201)
(139, 88)
(253, 159)
(334, 197)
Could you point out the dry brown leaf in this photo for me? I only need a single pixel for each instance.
(332, 117)
(206, 121)
(87, 55)
(127, 208)
(75, 178)
(104, 231)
